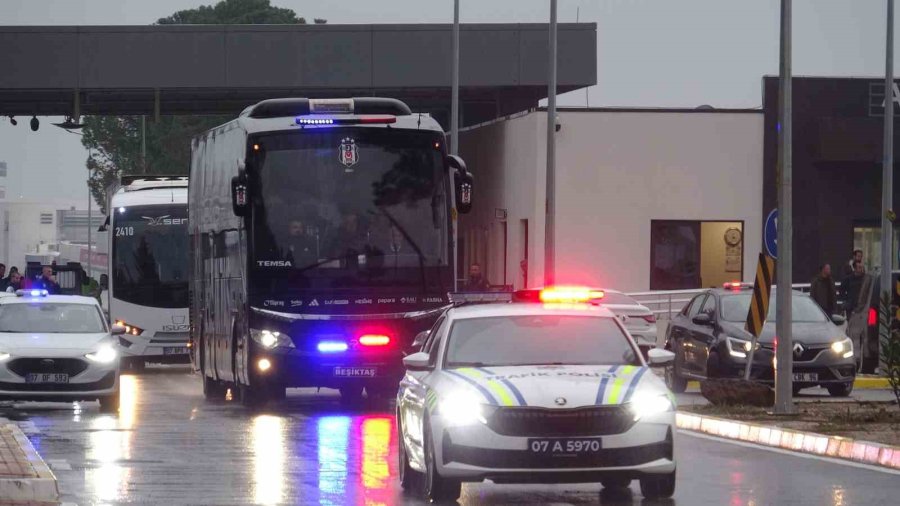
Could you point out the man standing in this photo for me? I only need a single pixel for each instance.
(822, 290)
(46, 281)
(476, 282)
(849, 268)
(851, 286)
(15, 283)
(4, 281)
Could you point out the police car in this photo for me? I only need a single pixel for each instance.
(57, 348)
(550, 390)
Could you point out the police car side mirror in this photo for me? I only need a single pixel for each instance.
(659, 358)
(117, 330)
(420, 339)
(240, 195)
(464, 182)
(416, 361)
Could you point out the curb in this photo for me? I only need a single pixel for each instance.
(40, 488)
(836, 447)
(861, 382)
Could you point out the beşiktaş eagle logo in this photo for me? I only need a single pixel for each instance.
(165, 220)
(349, 153)
(274, 263)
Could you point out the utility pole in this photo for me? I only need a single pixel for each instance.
(784, 403)
(550, 211)
(90, 243)
(143, 144)
(887, 171)
(454, 86)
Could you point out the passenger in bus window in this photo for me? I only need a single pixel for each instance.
(301, 243)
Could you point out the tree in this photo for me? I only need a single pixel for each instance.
(114, 143)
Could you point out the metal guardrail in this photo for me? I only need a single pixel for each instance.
(665, 303)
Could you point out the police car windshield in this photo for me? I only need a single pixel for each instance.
(538, 340)
(51, 318)
(803, 309)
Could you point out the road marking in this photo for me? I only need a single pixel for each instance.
(58, 464)
(791, 453)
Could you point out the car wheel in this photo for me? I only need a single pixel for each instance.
(617, 482)
(109, 403)
(410, 479)
(674, 381)
(437, 488)
(351, 394)
(658, 486)
(253, 396)
(840, 389)
(713, 365)
(213, 390)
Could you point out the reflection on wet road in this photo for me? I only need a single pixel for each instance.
(168, 446)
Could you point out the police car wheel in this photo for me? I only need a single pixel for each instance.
(658, 486)
(616, 482)
(109, 403)
(437, 488)
(410, 479)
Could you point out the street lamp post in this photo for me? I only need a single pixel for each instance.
(887, 168)
(550, 211)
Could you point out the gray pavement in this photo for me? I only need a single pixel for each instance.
(168, 446)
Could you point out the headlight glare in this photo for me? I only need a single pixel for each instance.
(843, 348)
(646, 404)
(103, 355)
(270, 339)
(462, 409)
(3, 356)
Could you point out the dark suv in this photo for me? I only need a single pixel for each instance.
(709, 341)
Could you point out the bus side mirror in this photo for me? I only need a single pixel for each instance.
(464, 184)
(240, 196)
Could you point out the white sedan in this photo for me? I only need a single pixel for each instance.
(638, 319)
(57, 348)
(536, 393)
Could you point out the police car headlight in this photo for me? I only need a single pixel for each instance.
(843, 348)
(3, 356)
(463, 409)
(270, 339)
(104, 355)
(643, 405)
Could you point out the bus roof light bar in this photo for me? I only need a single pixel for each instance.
(294, 107)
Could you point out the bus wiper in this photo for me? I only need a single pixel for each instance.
(412, 243)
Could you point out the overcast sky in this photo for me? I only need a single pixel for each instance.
(650, 53)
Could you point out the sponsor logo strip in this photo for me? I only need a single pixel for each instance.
(487, 395)
(512, 388)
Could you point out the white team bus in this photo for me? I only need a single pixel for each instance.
(148, 268)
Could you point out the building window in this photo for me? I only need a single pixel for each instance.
(868, 239)
(46, 218)
(695, 254)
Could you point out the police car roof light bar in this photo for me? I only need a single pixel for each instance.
(32, 293)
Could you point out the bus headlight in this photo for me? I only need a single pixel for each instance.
(270, 339)
(3, 356)
(644, 405)
(462, 408)
(104, 355)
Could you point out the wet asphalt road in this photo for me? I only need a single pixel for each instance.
(168, 446)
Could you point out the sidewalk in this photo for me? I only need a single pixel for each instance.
(24, 477)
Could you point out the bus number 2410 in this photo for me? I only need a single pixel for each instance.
(124, 231)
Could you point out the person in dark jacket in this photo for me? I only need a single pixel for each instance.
(822, 290)
(477, 282)
(849, 268)
(46, 282)
(850, 287)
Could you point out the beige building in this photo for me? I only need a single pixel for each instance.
(646, 198)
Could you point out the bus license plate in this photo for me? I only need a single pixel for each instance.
(179, 350)
(565, 447)
(45, 377)
(355, 372)
(806, 377)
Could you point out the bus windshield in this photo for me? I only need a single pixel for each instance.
(150, 255)
(350, 208)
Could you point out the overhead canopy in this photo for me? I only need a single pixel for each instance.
(220, 69)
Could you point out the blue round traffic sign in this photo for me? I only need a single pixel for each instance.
(771, 234)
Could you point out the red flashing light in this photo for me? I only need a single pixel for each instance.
(569, 294)
(873, 317)
(734, 285)
(374, 340)
(377, 119)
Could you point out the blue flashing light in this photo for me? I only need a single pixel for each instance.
(35, 293)
(32, 293)
(331, 346)
(314, 121)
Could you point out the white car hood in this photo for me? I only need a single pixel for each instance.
(50, 345)
(543, 386)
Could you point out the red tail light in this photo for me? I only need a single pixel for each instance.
(873, 317)
(650, 318)
(374, 340)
